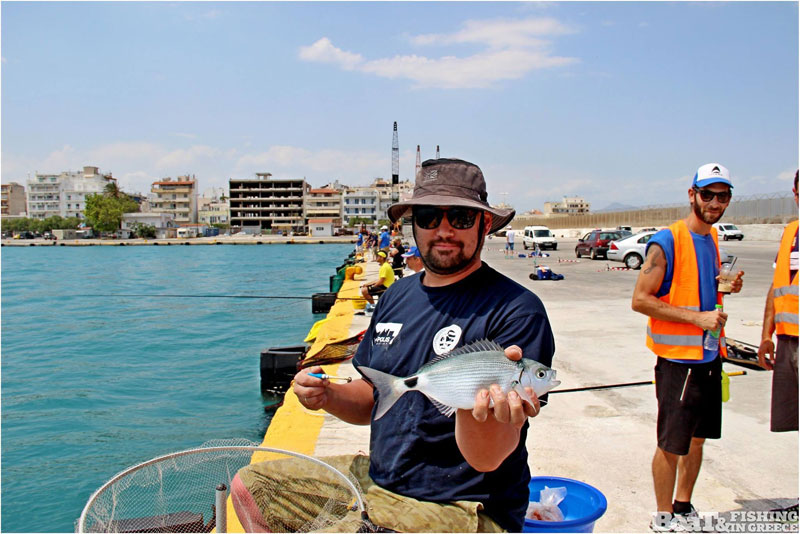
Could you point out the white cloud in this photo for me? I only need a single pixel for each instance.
(499, 33)
(280, 156)
(301, 161)
(512, 49)
(323, 51)
(64, 158)
(186, 158)
(479, 70)
(787, 175)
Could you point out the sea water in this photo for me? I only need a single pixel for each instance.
(94, 381)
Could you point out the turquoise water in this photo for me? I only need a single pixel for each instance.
(92, 385)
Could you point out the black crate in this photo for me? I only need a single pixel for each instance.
(322, 302)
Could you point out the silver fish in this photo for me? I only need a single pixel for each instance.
(452, 380)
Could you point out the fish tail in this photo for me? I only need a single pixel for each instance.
(389, 387)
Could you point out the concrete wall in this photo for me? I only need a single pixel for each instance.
(760, 209)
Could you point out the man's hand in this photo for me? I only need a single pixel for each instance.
(711, 320)
(767, 347)
(486, 436)
(311, 391)
(507, 408)
(736, 283)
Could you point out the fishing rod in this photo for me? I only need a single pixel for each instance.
(286, 297)
(625, 385)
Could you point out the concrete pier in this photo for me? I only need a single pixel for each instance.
(607, 438)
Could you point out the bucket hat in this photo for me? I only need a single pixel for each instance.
(451, 182)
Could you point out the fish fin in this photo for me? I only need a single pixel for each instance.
(475, 346)
(445, 410)
(389, 387)
(520, 389)
(549, 387)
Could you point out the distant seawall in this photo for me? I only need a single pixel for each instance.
(217, 240)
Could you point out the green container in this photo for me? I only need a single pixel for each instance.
(336, 282)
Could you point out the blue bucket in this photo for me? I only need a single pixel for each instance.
(582, 506)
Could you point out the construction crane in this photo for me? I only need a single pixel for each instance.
(395, 165)
(419, 165)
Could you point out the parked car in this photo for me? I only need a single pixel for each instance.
(725, 256)
(728, 231)
(26, 234)
(595, 243)
(540, 236)
(630, 250)
(48, 236)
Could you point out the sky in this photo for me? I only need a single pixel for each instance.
(617, 102)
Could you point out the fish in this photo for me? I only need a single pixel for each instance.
(451, 381)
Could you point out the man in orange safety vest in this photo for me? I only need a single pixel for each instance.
(677, 290)
(780, 317)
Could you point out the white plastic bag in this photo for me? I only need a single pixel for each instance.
(547, 508)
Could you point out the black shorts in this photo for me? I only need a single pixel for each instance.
(376, 290)
(689, 403)
(783, 417)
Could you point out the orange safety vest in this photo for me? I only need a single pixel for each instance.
(682, 341)
(784, 290)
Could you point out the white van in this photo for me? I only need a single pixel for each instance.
(540, 236)
(728, 231)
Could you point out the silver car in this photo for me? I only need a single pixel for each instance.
(630, 250)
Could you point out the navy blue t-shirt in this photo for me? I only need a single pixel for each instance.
(413, 449)
(707, 269)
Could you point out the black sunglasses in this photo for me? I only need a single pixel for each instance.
(723, 196)
(430, 217)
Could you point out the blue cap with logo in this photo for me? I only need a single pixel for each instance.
(712, 173)
(412, 251)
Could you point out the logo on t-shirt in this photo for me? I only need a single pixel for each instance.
(386, 333)
(446, 339)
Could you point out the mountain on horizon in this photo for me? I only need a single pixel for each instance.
(616, 206)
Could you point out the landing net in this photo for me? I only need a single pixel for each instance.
(178, 492)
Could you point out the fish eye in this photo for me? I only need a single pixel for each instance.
(540, 373)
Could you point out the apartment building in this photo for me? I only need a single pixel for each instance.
(64, 194)
(12, 200)
(213, 207)
(567, 206)
(178, 197)
(372, 201)
(263, 204)
(324, 203)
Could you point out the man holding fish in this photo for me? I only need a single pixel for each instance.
(677, 290)
(454, 362)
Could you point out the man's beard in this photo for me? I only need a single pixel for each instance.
(706, 217)
(449, 263)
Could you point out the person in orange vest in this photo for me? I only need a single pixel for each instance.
(780, 316)
(677, 290)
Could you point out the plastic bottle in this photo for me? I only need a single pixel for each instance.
(711, 337)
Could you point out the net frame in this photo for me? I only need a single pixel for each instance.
(81, 523)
